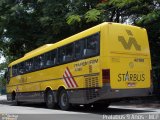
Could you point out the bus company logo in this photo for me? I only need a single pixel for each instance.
(131, 41)
(69, 79)
(131, 76)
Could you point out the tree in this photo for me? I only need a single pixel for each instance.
(143, 13)
(3, 67)
(24, 22)
(28, 24)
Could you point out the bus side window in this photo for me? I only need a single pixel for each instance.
(48, 62)
(36, 63)
(42, 61)
(92, 45)
(69, 52)
(61, 55)
(79, 47)
(21, 68)
(27, 66)
(53, 57)
(14, 70)
(49, 59)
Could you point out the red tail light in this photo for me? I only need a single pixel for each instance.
(105, 76)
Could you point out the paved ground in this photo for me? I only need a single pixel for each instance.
(121, 110)
(3, 97)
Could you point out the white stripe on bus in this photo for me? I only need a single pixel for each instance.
(70, 77)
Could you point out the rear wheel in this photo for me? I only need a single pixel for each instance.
(50, 101)
(64, 100)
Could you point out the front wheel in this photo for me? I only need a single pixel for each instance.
(64, 100)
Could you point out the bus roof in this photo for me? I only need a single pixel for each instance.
(48, 47)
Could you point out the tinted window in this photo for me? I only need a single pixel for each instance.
(66, 53)
(36, 63)
(61, 55)
(51, 58)
(42, 61)
(29, 65)
(69, 52)
(21, 68)
(83, 48)
(14, 70)
(92, 45)
(79, 47)
(54, 57)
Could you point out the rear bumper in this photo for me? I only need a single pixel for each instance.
(91, 95)
(107, 92)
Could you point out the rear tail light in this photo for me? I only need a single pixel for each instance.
(105, 76)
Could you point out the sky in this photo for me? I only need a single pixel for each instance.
(2, 59)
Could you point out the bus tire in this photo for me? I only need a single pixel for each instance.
(64, 100)
(50, 101)
(16, 103)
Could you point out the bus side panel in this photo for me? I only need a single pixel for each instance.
(85, 73)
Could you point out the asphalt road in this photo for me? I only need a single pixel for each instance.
(114, 112)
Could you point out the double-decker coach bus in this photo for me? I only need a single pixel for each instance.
(97, 66)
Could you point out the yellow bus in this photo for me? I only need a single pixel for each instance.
(107, 62)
